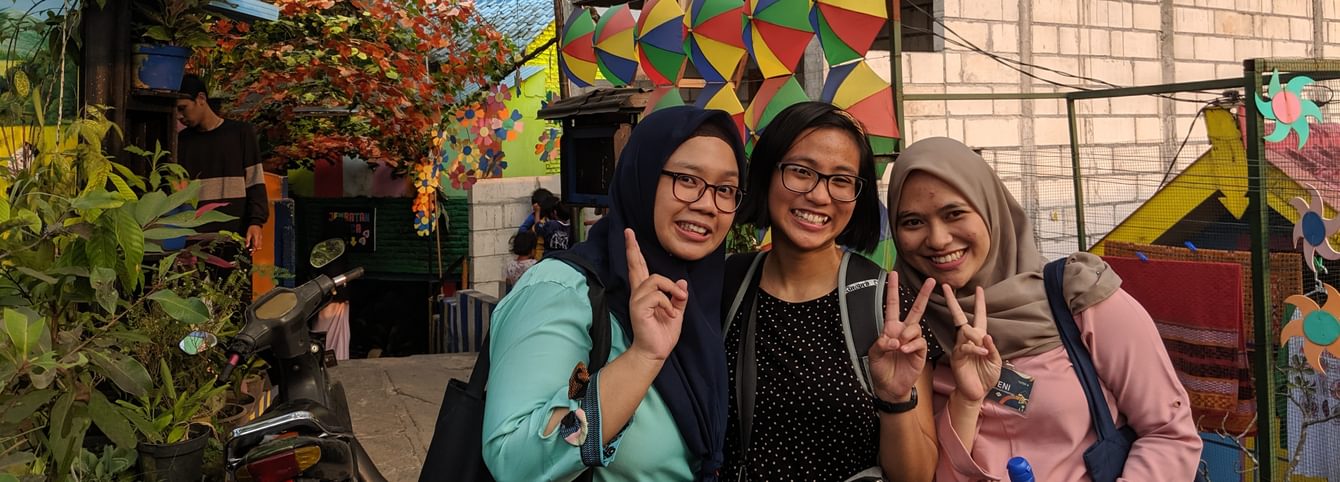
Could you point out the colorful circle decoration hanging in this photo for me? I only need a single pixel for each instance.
(660, 41)
(616, 53)
(722, 97)
(577, 53)
(856, 88)
(1318, 326)
(662, 97)
(1288, 108)
(714, 43)
(196, 342)
(776, 34)
(1313, 229)
(847, 28)
(773, 96)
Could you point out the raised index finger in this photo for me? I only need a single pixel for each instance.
(637, 265)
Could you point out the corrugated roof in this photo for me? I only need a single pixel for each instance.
(521, 21)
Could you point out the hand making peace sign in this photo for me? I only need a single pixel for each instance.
(976, 362)
(655, 304)
(899, 355)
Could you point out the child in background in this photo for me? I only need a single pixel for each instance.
(537, 198)
(555, 226)
(523, 246)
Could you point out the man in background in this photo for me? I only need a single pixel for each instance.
(225, 157)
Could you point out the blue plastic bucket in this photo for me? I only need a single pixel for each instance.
(159, 66)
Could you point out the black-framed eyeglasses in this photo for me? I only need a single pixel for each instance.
(690, 188)
(801, 180)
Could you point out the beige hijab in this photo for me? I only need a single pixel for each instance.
(1020, 318)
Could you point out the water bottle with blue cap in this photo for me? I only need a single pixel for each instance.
(1019, 470)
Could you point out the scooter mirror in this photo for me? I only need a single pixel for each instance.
(325, 252)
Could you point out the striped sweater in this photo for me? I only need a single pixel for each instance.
(226, 161)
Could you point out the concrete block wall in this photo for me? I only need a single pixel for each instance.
(497, 207)
(1128, 142)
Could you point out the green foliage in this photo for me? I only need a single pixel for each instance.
(742, 238)
(177, 22)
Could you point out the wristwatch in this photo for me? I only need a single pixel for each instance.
(899, 407)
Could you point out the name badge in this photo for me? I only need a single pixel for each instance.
(1013, 389)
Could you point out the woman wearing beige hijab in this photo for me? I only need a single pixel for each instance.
(955, 222)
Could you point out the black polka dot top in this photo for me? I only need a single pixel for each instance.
(812, 420)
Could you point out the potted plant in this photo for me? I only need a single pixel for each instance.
(174, 28)
(173, 446)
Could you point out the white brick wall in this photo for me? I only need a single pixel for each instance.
(497, 207)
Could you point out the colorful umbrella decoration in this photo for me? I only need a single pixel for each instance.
(577, 53)
(662, 97)
(856, 88)
(772, 97)
(660, 40)
(1318, 326)
(1288, 108)
(777, 33)
(616, 54)
(714, 41)
(847, 28)
(722, 97)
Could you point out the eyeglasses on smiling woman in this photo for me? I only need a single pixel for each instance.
(801, 180)
(690, 188)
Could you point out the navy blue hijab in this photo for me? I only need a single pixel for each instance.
(693, 380)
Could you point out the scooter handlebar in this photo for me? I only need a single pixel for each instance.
(344, 279)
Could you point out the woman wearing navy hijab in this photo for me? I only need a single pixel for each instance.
(657, 410)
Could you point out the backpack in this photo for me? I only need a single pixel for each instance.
(860, 298)
(456, 451)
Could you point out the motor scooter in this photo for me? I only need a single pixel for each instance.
(307, 434)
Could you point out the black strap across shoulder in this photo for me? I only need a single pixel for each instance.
(1053, 279)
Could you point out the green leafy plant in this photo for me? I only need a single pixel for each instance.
(165, 415)
(178, 22)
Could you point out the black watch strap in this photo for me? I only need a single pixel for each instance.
(900, 407)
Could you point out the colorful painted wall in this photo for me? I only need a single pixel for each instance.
(524, 159)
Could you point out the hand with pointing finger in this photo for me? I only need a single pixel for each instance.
(975, 361)
(899, 355)
(655, 305)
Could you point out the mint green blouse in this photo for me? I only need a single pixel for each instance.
(539, 332)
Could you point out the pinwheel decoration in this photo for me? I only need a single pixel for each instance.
(722, 97)
(616, 54)
(577, 53)
(1287, 107)
(772, 97)
(660, 41)
(1313, 228)
(847, 28)
(1318, 326)
(662, 97)
(776, 34)
(714, 41)
(856, 88)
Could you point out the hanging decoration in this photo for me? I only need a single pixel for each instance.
(1288, 108)
(722, 97)
(660, 41)
(662, 97)
(714, 42)
(773, 96)
(1318, 326)
(847, 28)
(616, 53)
(856, 88)
(576, 53)
(468, 148)
(776, 34)
(1313, 229)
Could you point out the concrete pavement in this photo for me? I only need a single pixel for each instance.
(394, 403)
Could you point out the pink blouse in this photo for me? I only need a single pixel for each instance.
(1141, 390)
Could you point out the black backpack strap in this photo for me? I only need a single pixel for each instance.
(861, 299)
(595, 292)
(740, 268)
(1053, 278)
